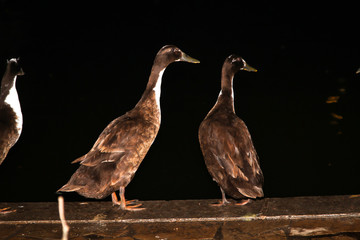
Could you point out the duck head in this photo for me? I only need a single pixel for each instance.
(170, 53)
(235, 63)
(13, 67)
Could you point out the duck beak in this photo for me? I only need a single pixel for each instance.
(249, 68)
(187, 58)
(358, 71)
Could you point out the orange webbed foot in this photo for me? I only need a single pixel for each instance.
(129, 205)
(132, 207)
(220, 203)
(243, 202)
(6, 210)
(115, 200)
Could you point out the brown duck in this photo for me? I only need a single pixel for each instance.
(11, 119)
(116, 155)
(226, 144)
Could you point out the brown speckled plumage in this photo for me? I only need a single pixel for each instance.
(113, 160)
(226, 144)
(9, 129)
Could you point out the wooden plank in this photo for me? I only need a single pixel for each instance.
(330, 217)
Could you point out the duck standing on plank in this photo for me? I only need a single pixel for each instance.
(11, 119)
(116, 155)
(226, 144)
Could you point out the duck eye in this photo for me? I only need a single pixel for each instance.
(177, 52)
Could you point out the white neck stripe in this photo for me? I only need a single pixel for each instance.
(13, 100)
(157, 88)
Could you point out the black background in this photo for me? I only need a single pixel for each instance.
(88, 63)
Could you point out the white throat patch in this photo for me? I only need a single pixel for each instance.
(157, 88)
(13, 100)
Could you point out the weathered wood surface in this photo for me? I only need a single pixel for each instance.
(330, 217)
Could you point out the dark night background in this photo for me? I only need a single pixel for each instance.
(87, 64)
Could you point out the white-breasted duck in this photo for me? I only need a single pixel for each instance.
(116, 155)
(11, 119)
(226, 144)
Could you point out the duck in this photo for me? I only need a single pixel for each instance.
(111, 163)
(11, 118)
(226, 144)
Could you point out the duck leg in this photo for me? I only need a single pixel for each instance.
(123, 203)
(115, 200)
(223, 200)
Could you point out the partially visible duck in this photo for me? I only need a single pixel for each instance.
(116, 155)
(11, 119)
(226, 144)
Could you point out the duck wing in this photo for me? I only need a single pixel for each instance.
(232, 148)
(114, 158)
(121, 137)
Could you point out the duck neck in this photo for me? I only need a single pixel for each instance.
(153, 87)
(226, 95)
(150, 99)
(154, 83)
(10, 96)
(8, 83)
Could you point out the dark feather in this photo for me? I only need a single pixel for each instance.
(9, 131)
(226, 144)
(230, 156)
